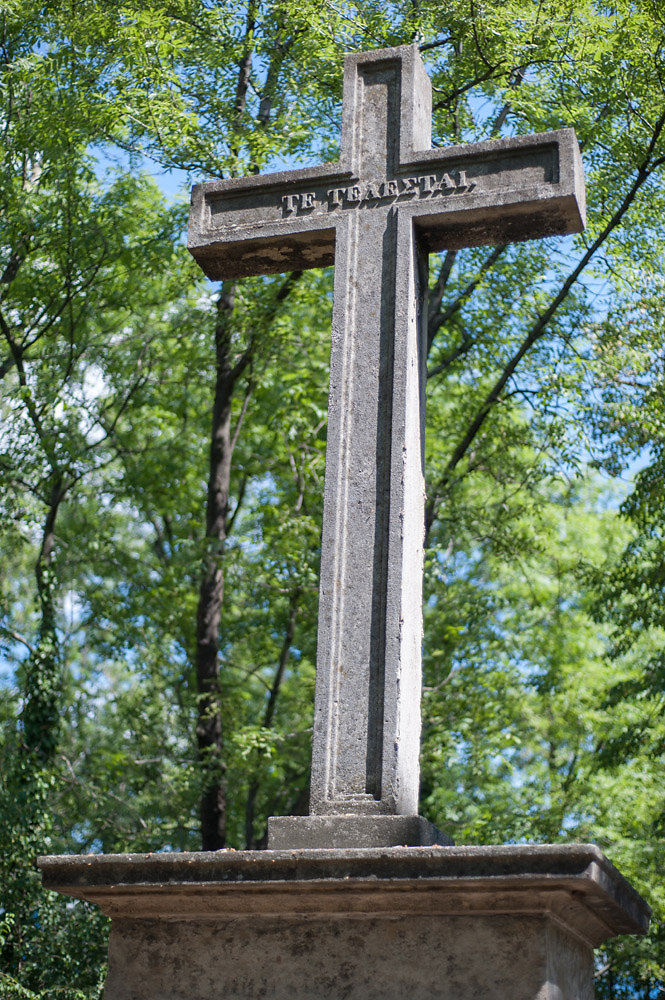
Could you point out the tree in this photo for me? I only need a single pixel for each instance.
(79, 258)
(541, 360)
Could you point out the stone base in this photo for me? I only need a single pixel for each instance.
(501, 923)
(334, 831)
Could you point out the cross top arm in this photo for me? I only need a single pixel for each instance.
(498, 191)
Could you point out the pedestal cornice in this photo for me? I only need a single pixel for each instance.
(572, 884)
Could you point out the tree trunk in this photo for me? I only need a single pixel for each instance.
(41, 709)
(209, 724)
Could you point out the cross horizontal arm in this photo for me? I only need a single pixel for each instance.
(498, 191)
(263, 224)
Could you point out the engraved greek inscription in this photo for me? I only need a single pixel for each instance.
(463, 184)
(335, 196)
(427, 186)
(298, 202)
(409, 185)
(289, 202)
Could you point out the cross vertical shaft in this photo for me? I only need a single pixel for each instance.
(365, 752)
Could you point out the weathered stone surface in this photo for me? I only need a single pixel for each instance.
(293, 832)
(498, 191)
(419, 957)
(377, 213)
(457, 923)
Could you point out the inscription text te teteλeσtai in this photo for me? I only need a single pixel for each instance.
(427, 185)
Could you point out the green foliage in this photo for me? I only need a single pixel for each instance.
(49, 947)
(545, 610)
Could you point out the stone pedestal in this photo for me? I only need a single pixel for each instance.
(329, 832)
(455, 923)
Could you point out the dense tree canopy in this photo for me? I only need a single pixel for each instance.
(162, 449)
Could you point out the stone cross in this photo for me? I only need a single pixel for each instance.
(377, 213)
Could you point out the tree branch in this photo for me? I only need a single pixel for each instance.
(458, 352)
(437, 320)
(241, 415)
(268, 715)
(437, 44)
(538, 329)
(17, 638)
